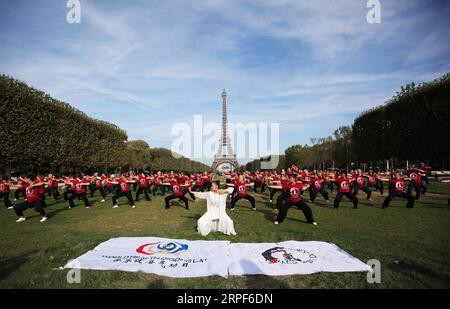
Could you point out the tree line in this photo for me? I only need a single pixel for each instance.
(412, 126)
(41, 133)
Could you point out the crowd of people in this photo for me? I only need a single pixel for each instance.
(287, 186)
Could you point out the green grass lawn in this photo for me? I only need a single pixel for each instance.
(419, 238)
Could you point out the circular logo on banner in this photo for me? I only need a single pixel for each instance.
(163, 248)
(283, 255)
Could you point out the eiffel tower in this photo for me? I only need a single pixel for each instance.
(221, 159)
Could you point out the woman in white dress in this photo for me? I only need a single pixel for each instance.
(215, 218)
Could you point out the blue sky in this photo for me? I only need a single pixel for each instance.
(310, 66)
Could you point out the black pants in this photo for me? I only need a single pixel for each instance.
(419, 188)
(301, 205)
(202, 188)
(37, 205)
(207, 186)
(52, 191)
(260, 185)
(249, 198)
(67, 193)
(20, 191)
(81, 196)
(280, 200)
(159, 187)
(364, 189)
(108, 190)
(313, 193)
(330, 186)
(140, 191)
(380, 187)
(115, 198)
(101, 190)
(190, 194)
(171, 197)
(272, 192)
(406, 196)
(349, 195)
(6, 200)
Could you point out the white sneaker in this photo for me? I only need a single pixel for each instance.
(103, 200)
(231, 208)
(10, 207)
(275, 222)
(134, 206)
(116, 206)
(254, 209)
(87, 207)
(15, 200)
(314, 223)
(270, 201)
(43, 219)
(21, 219)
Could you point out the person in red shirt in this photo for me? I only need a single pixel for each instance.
(178, 191)
(344, 186)
(316, 184)
(241, 192)
(143, 180)
(199, 183)
(360, 184)
(52, 186)
(415, 182)
(97, 184)
(33, 199)
(294, 197)
(396, 189)
(157, 184)
(4, 191)
(79, 185)
(373, 181)
(20, 189)
(274, 186)
(125, 190)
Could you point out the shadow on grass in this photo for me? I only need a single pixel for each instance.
(10, 265)
(264, 282)
(156, 284)
(421, 273)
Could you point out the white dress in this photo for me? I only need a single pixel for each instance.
(215, 218)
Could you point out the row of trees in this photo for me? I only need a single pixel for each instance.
(41, 133)
(413, 126)
(142, 157)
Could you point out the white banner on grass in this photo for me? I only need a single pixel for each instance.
(182, 258)
(168, 257)
(290, 258)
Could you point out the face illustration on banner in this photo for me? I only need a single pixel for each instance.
(162, 248)
(283, 255)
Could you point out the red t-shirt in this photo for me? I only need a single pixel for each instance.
(177, 189)
(343, 185)
(372, 180)
(4, 187)
(79, 186)
(143, 181)
(32, 194)
(293, 192)
(415, 177)
(51, 183)
(98, 182)
(316, 183)
(360, 180)
(124, 185)
(396, 184)
(241, 188)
